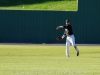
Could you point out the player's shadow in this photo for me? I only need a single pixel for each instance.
(5, 3)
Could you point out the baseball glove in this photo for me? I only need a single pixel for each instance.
(59, 38)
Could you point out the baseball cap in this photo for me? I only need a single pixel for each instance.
(67, 21)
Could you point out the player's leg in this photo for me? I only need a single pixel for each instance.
(67, 47)
(77, 51)
(72, 41)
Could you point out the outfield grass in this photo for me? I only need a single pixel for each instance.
(47, 5)
(48, 60)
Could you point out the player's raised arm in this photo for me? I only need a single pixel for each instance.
(59, 27)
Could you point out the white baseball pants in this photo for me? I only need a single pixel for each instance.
(69, 39)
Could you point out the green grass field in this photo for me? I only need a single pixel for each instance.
(45, 5)
(48, 60)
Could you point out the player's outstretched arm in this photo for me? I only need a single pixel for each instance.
(59, 27)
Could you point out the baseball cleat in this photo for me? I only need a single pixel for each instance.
(67, 55)
(78, 53)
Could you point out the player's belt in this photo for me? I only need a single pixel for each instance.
(69, 35)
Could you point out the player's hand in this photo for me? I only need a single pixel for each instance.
(57, 28)
(59, 38)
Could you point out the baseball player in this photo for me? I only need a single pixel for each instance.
(70, 37)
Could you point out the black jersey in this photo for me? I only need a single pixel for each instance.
(69, 28)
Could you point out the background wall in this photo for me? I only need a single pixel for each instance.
(30, 26)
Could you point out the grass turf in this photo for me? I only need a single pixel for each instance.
(48, 5)
(48, 60)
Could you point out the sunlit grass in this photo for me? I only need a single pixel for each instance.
(50, 60)
(49, 5)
